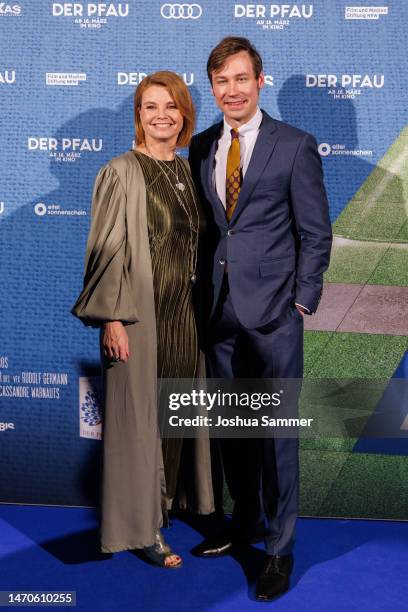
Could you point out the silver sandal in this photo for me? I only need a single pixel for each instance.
(160, 551)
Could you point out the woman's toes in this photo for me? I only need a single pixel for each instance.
(172, 560)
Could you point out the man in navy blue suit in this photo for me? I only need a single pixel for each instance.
(261, 184)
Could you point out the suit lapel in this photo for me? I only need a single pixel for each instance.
(263, 149)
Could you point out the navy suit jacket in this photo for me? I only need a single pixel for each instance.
(277, 243)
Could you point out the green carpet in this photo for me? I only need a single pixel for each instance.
(370, 247)
(350, 355)
(368, 485)
(375, 263)
(371, 234)
(377, 212)
(335, 481)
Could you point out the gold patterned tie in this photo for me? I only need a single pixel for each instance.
(233, 183)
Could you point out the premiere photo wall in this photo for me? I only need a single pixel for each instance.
(68, 72)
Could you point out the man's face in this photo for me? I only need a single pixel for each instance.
(236, 89)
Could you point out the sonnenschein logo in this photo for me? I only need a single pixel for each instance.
(40, 209)
(274, 16)
(7, 77)
(56, 210)
(181, 11)
(325, 150)
(10, 10)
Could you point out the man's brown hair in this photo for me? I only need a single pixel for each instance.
(180, 94)
(230, 46)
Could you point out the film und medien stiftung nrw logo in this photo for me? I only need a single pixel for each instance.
(365, 12)
(91, 15)
(10, 10)
(65, 79)
(65, 150)
(90, 407)
(274, 16)
(325, 149)
(42, 209)
(181, 11)
(345, 86)
(7, 77)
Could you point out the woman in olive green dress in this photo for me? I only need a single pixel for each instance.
(139, 276)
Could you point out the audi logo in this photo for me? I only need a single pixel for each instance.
(181, 11)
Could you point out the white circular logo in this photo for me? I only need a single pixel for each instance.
(181, 11)
(324, 149)
(40, 209)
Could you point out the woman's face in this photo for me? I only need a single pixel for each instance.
(161, 120)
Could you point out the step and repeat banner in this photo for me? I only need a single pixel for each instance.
(68, 71)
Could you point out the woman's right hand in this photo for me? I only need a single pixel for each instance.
(115, 341)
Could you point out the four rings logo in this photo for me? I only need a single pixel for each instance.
(181, 11)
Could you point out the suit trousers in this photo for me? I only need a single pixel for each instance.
(262, 474)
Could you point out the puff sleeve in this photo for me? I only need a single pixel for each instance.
(107, 292)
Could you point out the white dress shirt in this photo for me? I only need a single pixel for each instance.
(247, 137)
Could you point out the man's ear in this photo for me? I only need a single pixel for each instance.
(261, 80)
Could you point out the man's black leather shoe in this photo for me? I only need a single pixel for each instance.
(274, 580)
(213, 547)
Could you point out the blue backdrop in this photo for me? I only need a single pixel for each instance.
(67, 77)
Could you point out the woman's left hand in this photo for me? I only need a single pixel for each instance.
(115, 341)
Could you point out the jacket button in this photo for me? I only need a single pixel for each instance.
(222, 262)
(230, 232)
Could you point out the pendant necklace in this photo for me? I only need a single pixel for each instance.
(178, 190)
(179, 184)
